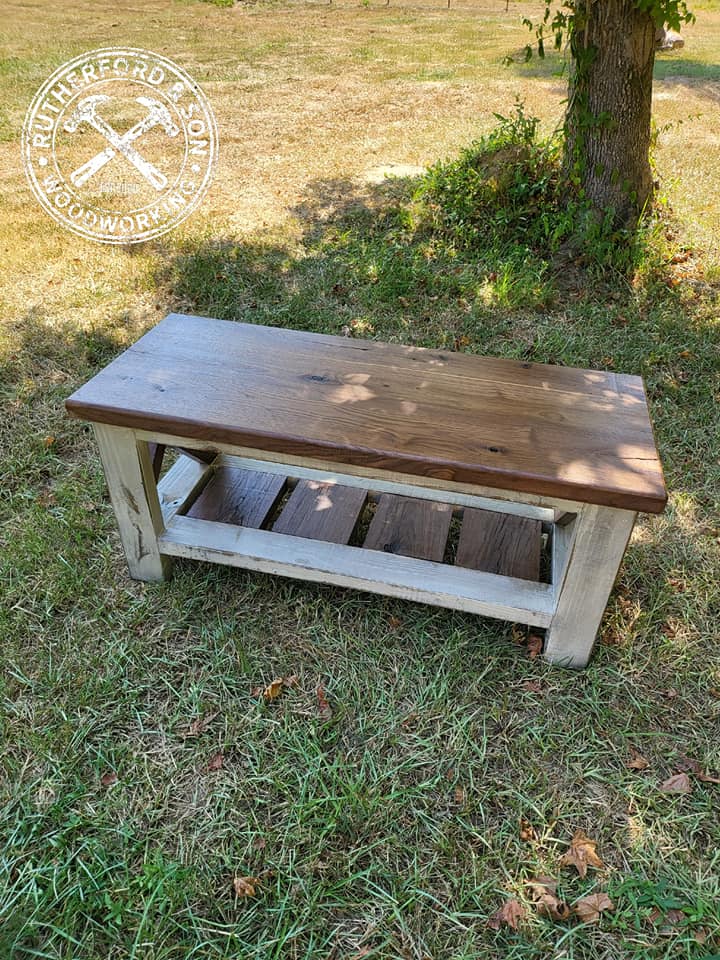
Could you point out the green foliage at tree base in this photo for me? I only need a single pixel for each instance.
(505, 192)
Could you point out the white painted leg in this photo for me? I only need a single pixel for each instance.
(600, 537)
(133, 492)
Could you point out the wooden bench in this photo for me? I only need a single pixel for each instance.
(499, 487)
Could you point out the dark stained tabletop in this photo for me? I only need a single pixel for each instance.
(582, 435)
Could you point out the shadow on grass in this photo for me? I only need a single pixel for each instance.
(684, 69)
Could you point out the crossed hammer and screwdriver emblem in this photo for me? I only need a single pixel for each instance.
(87, 112)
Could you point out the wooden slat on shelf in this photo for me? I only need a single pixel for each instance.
(242, 497)
(321, 511)
(410, 527)
(500, 543)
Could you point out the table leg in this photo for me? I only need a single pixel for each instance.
(130, 478)
(599, 542)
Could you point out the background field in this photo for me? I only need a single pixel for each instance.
(392, 829)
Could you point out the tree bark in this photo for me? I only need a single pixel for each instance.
(607, 122)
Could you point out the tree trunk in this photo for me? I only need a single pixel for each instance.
(607, 122)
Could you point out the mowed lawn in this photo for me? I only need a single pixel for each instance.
(140, 772)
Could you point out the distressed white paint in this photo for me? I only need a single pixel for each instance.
(131, 482)
(563, 534)
(491, 595)
(600, 538)
(181, 484)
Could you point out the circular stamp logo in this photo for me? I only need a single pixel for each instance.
(119, 145)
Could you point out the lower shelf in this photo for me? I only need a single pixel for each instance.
(406, 526)
(471, 559)
(440, 584)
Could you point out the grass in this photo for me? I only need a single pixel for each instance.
(390, 830)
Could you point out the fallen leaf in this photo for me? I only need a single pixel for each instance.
(216, 762)
(245, 886)
(394, 623)
(534, 646)
(109, 778)
(46, 498)
(582, 854)
(637, 761)
(704, 778)
(324, 708)
(678, 783)
(459, 795)
(694, 766)
(532, 686)
(49, 441)
(590, 908)
(273, 690)
(509, 915)
(670, 694)
(674, 916)
(199, 725)
(259, 843)
(666, 920)
(550, 906)
(542, 892)
(527, 830)
(541, 885)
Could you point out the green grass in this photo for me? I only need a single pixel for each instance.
(391, 830)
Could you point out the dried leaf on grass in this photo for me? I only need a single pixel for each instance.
(582, 854)
(245, 886)
(216, 762)
(677, 783)
(109, 778)
(527, 830)
(667, 919)
(637, 761)
(704, 778)
(324, 708)
(694, 766)
(273, 690)
(534, 646)
(46, 498)
(547, 903)
(509, 915)
(199, 725)
(589, 908)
